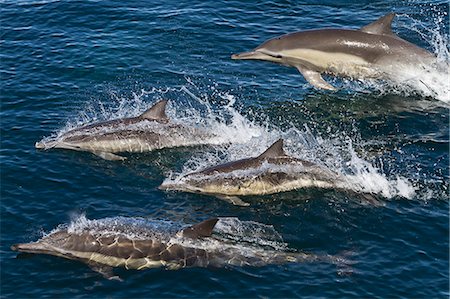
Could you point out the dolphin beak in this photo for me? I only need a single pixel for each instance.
(243, 55)
(166, 186)
(45, 145)
(40, 145)
(162, 187)
(258, 55)
(33, 247)
(249, 55)
(171, 186)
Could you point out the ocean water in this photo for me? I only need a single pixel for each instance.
(68, 63)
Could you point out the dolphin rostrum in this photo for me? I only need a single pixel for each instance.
(135, 243)
(271, 172)
(149, 131)
(373, 51)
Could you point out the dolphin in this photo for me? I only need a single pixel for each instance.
(271, 172)
(134, 243)
(149, 131)
(373, 51)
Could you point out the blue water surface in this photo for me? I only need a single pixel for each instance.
(61, 58)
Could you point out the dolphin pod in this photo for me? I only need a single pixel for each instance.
(373, 51)
(134, 244)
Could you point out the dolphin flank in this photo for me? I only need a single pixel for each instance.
(374, 51)
(134, 244)
(271, 172)
(149, 131)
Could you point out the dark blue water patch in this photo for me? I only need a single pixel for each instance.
(61, 58)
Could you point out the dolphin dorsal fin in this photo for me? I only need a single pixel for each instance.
(275, 150)
(381, 26)
(157, 112)
(202, 229)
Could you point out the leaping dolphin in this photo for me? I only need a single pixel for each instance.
(134, 243)
(271, 172)
(149, 131)
(373, 51)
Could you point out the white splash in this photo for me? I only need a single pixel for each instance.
(365, 177)
(433, 80)
(427, 78)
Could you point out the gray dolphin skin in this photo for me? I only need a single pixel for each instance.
(149, 131)
(374, 51)
(271, 172)
(134, 244)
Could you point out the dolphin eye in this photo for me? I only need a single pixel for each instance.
(276, 55)
(271, 54)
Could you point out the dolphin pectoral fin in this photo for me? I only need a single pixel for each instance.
(173, 266)
(104, 270)
(109, 156)
(314, 78)
(234, 200)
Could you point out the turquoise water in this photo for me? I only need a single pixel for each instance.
(66, 63)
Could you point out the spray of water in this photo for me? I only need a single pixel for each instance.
(426, 79)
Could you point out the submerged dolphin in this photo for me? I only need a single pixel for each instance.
(271, 172)
(140, 244)
(149, 131)
(374, 51)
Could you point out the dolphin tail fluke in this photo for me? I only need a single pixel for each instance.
(342, 260)
(315, 79)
